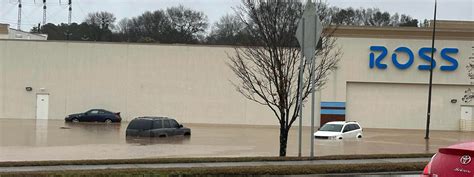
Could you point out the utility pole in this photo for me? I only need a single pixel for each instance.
(19, 15)
(70, 12)
(44, 12)
(427, 135)
(68, 34)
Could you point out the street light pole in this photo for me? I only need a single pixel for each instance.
(427, 135)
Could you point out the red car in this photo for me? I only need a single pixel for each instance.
(452, 161)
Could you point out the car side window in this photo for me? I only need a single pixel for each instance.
(140, 125)
(94, 112)
(166, 124)
(157, 124)
(356, 127)
(346, 128)
(174, 124)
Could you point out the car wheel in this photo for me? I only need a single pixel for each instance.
(187, 134)
(340, 138)
(360, 136)
(108, 121)
(75, 120)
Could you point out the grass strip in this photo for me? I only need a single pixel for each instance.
(207, 160)
(242, 171)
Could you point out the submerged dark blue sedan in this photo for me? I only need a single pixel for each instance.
(95, 115)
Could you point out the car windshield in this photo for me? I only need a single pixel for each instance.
(331, 128)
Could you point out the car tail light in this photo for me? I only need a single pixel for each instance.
(427, 171)
(117, 115)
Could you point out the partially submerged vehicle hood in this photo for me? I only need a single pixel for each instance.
(325, 133)
(75, 115)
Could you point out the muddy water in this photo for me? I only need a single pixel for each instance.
(56, 140)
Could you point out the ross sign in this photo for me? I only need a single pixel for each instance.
(309, 31)
(378, 54)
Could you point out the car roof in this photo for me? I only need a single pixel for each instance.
(342, 122)
(100, 110)
(152, 118)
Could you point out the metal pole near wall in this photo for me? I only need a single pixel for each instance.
(300, 97)
(313, 89)
(428, 115)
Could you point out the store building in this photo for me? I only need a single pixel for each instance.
(381, 80)
(9, 33)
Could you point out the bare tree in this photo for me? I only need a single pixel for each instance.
(228, 30)
(267, 71)
(102, 23)
(186, 24)
(105, 20)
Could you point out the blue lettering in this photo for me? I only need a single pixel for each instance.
(422, 53)
(378, 61)
(446, 57)
(411, 58)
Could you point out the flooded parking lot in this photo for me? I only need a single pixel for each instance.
(25, 140)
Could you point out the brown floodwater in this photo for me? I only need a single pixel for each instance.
(31, 140)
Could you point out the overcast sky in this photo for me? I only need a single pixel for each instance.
(58, 12)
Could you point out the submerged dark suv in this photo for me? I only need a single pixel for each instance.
(156, 127)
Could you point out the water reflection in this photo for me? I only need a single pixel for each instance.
(427, 145)
(157, 140)
(41, 132)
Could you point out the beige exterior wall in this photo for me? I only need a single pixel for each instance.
(192, 83)
(383, 105)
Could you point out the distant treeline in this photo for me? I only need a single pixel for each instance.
(184, 25)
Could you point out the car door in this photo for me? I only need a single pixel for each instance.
(175, 129)
(146, 129)
(357, 129)
(101, 116)
(347, 131)
(143, 128)
(157, 130)
(353, 131)
(91, 115)
(140, 128)
(167, 128)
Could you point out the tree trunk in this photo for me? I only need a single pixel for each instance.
(283, 140)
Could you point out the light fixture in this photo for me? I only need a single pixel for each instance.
(454, 100)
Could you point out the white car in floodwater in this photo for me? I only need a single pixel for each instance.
(339, 130)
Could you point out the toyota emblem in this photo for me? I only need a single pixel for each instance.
(466, 159)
